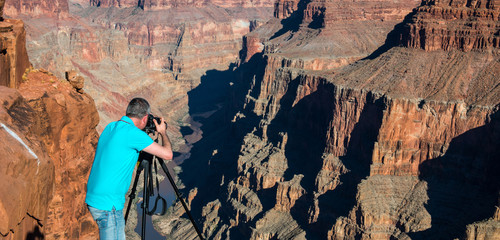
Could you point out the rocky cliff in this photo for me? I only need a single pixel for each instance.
(470, 25)
(392, 142)
(155, 52)
(167, 4)
(34, 8)
(13, 56)
(48, 136)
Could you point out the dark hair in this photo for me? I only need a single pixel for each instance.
(138, 108)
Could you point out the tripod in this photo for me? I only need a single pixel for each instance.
(146, 162)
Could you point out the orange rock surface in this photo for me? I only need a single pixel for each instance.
(50, 160)
(13, 54)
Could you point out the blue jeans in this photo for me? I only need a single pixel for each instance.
(111, 223)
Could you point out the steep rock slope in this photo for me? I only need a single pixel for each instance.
(399, 145)
(13, 55)
(48, 136)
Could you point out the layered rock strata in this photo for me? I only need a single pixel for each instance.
(13, 55)
(470, 25)
(399, 145)
(168, 4)
(35, 8)
(199, 39)
(327, 34)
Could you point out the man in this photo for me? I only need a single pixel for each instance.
(115, 158)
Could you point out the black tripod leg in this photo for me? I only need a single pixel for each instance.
(145, 200)
(165, 169)
(132, 192)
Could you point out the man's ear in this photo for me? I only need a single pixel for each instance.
(144, 120)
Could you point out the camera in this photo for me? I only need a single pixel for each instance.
(150, 125)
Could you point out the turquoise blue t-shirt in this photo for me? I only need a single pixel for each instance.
(115, 158)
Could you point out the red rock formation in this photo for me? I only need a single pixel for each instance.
(167, 4)
(2, 4)
(288, 192)
(28, 173)
(55, 8)
(161, 51)
(285, 8)
(199, 38)
(327, 34)
(469, 25)
(13, 56)
(50, 161)
(399, 145)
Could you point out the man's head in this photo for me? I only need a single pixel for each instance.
(138, 110)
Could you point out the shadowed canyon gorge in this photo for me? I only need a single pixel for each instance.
(291, 119)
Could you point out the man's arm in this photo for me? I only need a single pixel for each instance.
(158, 150)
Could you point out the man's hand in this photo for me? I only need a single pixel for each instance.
(161, 127)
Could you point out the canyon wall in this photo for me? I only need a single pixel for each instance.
(398, 141)
(167, 4)
(470, 25)
(327, 34)
(35, 8)
(48, 138)
(132, 52)
(13, 54)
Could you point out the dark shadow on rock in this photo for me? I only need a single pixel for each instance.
(397, 37)
(214, 157)
(340, 201)
(318, 20)
(292, 23)
(463, 184)
(36, 234)
(306, 124)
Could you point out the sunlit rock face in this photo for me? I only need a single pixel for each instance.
(13, 55)
(33, 8)
(322, 35)
(167, 4)
(48, 134)
(330, 140)
(470, 25)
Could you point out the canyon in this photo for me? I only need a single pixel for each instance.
(124, 51)
(397, 139)
(317, 119)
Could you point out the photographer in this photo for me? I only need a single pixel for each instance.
(115, 158)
